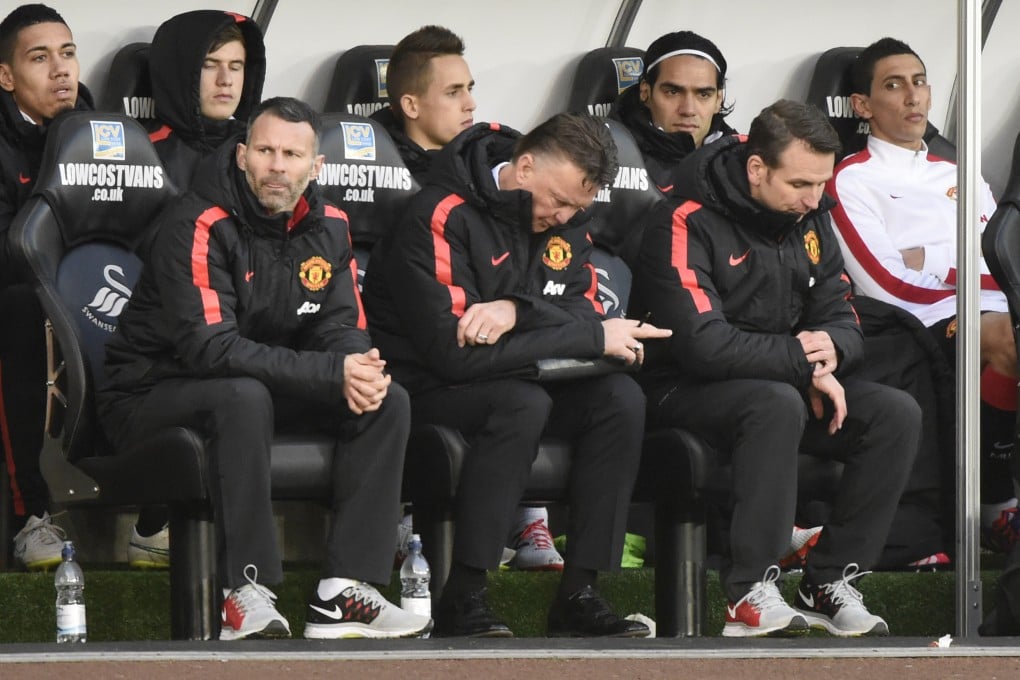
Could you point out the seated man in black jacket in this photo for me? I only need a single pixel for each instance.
(248, 321)
(38, 80)
(488, 273)
(746, 271)
(678, 105)
(429, 85)
(207, 69)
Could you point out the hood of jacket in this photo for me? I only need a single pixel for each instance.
(716, 177)
(667, 147)
(176, 57)
(219, 181)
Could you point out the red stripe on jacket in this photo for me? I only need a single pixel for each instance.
(200, 263)
(160, 134)
(679, 258)
(444, 264)
(333, 211)
(12, 469)
(593, 289)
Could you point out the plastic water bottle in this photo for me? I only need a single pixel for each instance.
(414, 580)
(70, 584)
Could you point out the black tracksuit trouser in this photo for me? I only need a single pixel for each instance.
(503, 421)
(764, 424)
(23, 398)
(238, 417)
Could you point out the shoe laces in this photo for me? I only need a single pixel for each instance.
(765, 594)
(842, 592)
(537, 533)
(252, 596)
(46, 532)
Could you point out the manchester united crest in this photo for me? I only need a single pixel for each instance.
(556, 254)
(951, 329)
(315, 273)
(812, 246)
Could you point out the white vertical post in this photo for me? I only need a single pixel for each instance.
(968, 575)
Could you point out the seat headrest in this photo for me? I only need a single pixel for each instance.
(618, 211)
(830, 91)
(102, 177)
(601, 76)
(359, 80)
(364, 175)
(128, 86)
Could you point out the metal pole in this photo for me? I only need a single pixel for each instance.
(968, 577)
(621, 25)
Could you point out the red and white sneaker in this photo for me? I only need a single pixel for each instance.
(249, 612)
(533, 544)
(801, 542)
(763, 611)
(934, 562)
(1004, 531)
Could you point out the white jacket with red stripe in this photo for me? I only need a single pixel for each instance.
(891, 199)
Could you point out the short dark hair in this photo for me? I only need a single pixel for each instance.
(779, 124)
(228, 34)
(408, 70)
(862, 71)
(23, 17)
(289, 109)
(685, 40)
(579, 138)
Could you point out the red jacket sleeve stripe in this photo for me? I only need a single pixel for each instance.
(688, 278)
(335, 212)
(593, 289)
(200, 263)
(444, 265)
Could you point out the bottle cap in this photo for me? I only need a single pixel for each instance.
(67, 552)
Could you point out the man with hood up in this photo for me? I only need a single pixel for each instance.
(489, 272)
(745, 269)
(207, 69)
(38, 80)
(678, 105)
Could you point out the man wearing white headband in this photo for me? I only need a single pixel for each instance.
(679, 103)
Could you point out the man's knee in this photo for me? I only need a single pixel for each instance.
(774, 405)
(246, 397)
(998, 346)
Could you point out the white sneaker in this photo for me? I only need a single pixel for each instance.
(533, 544)
(838, 607)
(801, 542)
(359, 611)
(149, 552)
(39, 543)
(249, 612)
(763, 611)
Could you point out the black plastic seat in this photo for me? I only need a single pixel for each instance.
(128, 87)
(358, 85)
(601, 75)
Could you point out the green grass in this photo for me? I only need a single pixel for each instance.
(132, 605)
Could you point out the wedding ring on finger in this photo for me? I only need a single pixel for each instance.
(482, 337)
(636, 348)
